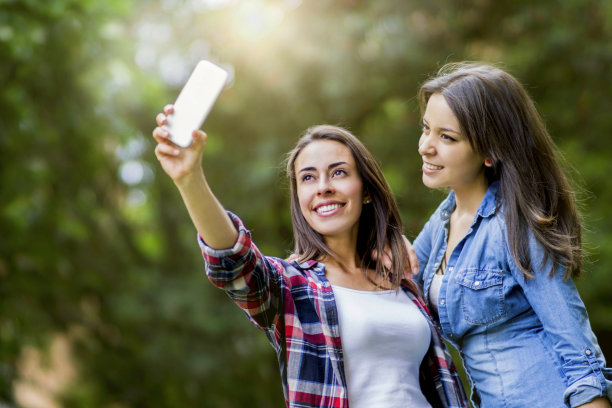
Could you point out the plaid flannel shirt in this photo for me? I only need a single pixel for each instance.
(294, 305)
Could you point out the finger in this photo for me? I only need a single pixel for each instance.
(387, 262)
(412, 256)
(168, 109)
(374, 255)
(164, 149)
(386, 258)
(199, 138)
(161, 119)
(161, 135)
(387, 252)
(414, 261)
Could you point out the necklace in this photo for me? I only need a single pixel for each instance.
(442, 268)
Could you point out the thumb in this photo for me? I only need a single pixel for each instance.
(199, 137)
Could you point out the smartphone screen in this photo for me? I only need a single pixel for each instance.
(195, 101)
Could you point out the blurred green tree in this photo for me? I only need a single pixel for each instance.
(94, 242)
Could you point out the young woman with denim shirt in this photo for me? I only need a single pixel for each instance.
(345, 329)
(498, 256)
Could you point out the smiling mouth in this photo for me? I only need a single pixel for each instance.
(328, 209)
(430, 166)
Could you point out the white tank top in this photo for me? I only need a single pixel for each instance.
(384, 339)
(434, 291)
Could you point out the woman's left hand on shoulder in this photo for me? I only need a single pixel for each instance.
(412, 266)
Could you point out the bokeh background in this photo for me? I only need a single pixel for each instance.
(103, 298)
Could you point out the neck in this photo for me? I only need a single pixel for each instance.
(345, 250)
(344, 268)
(468, 199)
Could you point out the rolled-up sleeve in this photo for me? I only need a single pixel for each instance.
(249, 278)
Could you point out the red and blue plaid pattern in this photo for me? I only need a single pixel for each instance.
(307, 339)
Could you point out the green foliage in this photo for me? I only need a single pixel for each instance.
(94, 241)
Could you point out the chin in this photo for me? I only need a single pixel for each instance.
(429, 183)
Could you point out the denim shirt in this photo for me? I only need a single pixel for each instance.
(525, 342)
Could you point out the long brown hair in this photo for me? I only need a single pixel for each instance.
(380, 223)
(502, 123)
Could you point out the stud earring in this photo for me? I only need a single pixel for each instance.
(488, 163)
(367, 200)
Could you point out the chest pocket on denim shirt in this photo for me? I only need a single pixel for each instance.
(482, 295)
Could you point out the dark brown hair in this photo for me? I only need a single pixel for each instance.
(380, 223)
(502, 123)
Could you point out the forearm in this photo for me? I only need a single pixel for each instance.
(183, 166)
(600, 402)
(206, 212)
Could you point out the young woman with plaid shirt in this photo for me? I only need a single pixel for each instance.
(346, 329)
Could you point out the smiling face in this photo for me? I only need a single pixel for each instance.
(448, 158)
(329, 188)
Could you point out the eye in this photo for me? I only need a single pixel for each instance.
(444, 136)
(338, 172)
(306, 178)
(424, 127)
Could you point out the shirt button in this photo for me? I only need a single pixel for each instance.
(443, 302)
(444, 214)
(477, 283)
(588, 352)
(450, 268)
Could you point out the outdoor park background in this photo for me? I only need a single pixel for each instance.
(103, 298)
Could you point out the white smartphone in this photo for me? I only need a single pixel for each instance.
(195, 101)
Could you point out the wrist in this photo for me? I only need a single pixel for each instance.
(193, 178)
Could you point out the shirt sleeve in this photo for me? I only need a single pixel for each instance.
(557, 304)
(422, 246)
(250, 279)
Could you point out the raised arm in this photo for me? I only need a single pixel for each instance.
(184, 166)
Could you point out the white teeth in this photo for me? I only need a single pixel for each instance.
(431, 166)
(328, 208)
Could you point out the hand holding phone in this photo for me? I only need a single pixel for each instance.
(195, 101)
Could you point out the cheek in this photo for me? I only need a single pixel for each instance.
(304, 197)
(359, 193)
(472, 165)
(475, 160)
(354, 190)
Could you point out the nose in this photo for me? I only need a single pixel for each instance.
(425, 145)
(324, 186)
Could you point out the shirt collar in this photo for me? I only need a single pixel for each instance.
(318, 267)
(489, 201)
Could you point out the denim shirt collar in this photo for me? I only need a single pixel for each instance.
(487, 207)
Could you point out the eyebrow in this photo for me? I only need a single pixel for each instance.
(443, 129)
(331, 166)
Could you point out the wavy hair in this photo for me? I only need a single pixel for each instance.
(502, 123)
(380, 223)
